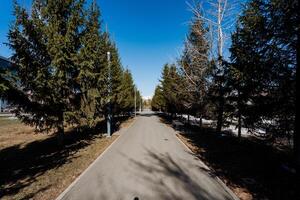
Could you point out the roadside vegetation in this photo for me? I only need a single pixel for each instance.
(65, 68)
(253, 91)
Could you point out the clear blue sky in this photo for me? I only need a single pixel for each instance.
(148, 33)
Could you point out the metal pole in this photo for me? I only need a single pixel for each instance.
(135, 101)
(140, 105)
(109, 115)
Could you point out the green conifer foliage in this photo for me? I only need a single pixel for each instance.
(45, 44)
(91, 69)
(127, 93)
(158, 101)
(264, 65)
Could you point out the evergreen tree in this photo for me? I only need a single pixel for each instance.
(45, 45)
(139, 101)
(170, 89)
(116, 80)
(158, 101)
(127, 93)
(91, 69)
(3, 81)
(218, 91)
(264, 66)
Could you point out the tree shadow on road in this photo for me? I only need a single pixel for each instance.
(147, 114)
(246, 164)
(160, 168)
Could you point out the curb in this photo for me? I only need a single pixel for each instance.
(61, 196)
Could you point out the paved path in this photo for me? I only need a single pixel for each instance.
(147, 162)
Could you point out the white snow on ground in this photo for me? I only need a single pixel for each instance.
(232, 128)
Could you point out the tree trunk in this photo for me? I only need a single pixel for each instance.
(297, 131)
(239, 125)
(220, 115)
(60, 130)
(239, 116)
(200, 122)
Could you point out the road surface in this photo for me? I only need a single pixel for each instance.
(147, 162)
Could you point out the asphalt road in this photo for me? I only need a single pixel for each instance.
(147, 162)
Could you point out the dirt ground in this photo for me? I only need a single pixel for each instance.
(13, 132)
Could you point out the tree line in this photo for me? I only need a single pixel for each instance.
(61, 73)
(255, 87)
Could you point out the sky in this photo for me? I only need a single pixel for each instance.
(148, 34)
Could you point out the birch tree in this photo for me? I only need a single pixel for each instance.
(194, 64)
(220, 17)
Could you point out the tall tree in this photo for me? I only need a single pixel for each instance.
(195, 65)
(45, 45)
(158, 101)
(126, 96)
(91, 68)
(264, 65)
(171, 89)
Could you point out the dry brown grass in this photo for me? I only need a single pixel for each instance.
(13, 132)
(51, 183)
(34, 167)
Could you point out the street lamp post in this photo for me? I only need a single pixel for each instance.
(140, 105)
(109, 115)
(135, 101)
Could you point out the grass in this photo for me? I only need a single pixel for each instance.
(250, 167)
(13, 132)
(37, 168)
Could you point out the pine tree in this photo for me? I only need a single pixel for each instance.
(158, 101)
(3, 81)
(139, 101)
(45, 45)
(170, 89)
(90, 69)
(114, 70)
(127, 93)
(117, 76)
(263, 66)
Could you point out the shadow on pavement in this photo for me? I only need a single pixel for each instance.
(147, 114)
(247, 164)
(169, 180)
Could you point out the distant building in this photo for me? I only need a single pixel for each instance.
(4, 64)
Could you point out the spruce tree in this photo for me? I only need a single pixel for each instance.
(114, 70)
(127, 93)
(90, 69)
(116, 80)
(3, 81)
(170, 89)
(45, 45)
(158, 101)
(264, 66)
(139, 100)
